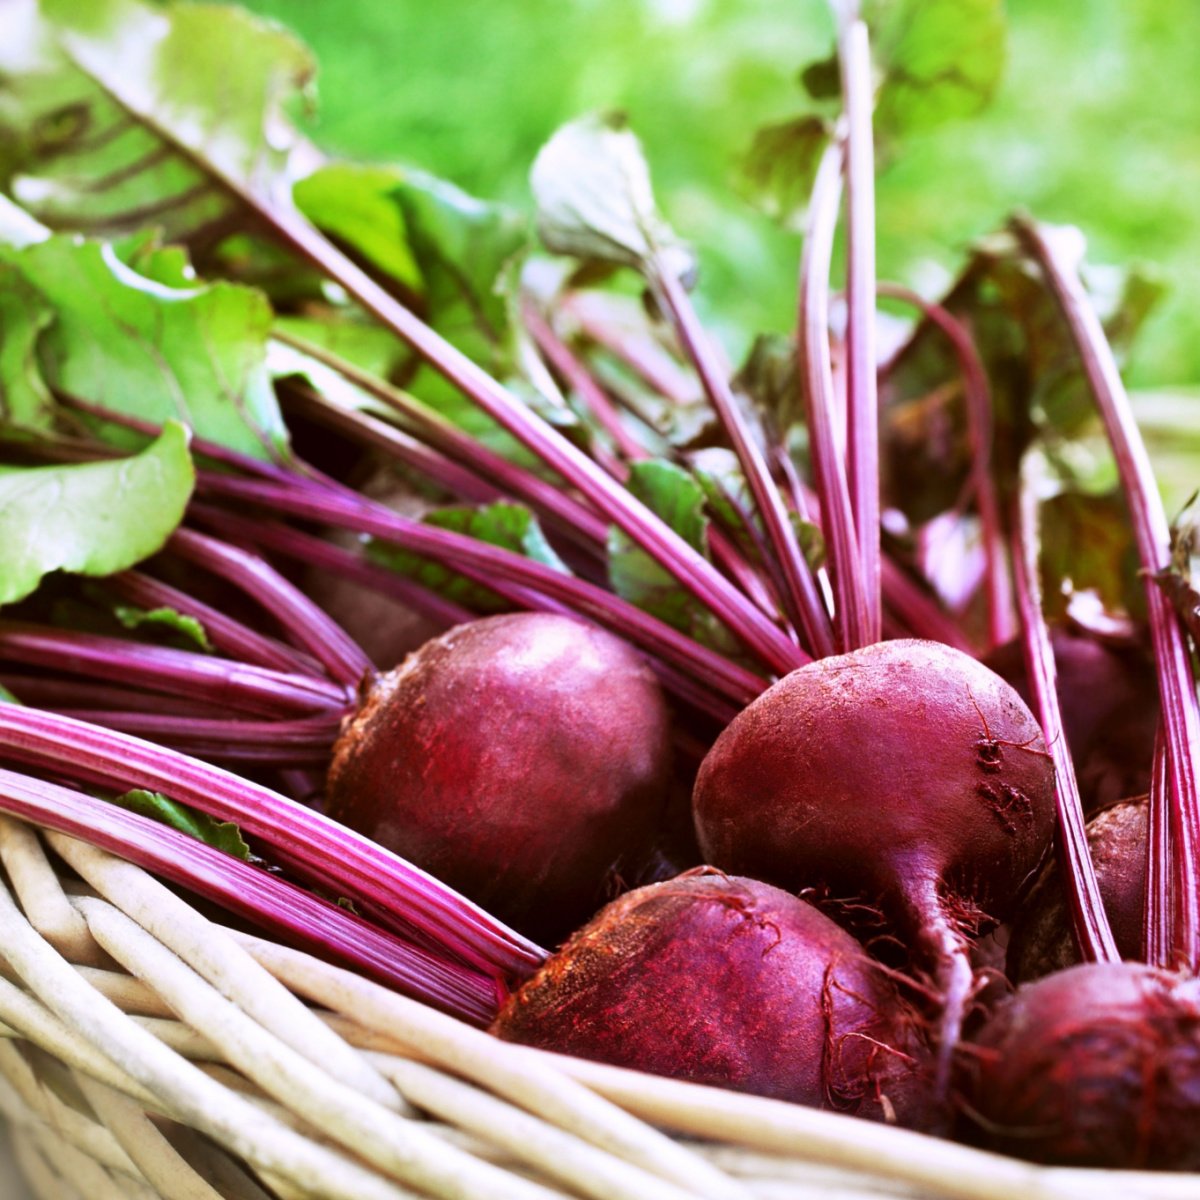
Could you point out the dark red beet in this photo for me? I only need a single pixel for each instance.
(732, 983)
(523, 759)
(905, 773)
(1098, 1065)
(1042, 941)
(1109, 700)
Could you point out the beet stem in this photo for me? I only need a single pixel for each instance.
(1089, 921)
(801, 594)
(1159, 918)
(858, 90)
(1177, 688)
(816, 381)
(1002, 623)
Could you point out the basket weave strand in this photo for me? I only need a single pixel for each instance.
(149, 1053)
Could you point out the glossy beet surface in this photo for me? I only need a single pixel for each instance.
(522, 759)
(905, 770)
(733, 983)
(1042, 942)
(1098, 1065)
(905, 775)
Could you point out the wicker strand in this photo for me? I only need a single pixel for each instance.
(191, 1097)
(43, 1180)
(395, 1145)
(221, 961)
(157, 1161)
(503, 1068)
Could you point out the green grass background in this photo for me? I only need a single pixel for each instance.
(1097, 123)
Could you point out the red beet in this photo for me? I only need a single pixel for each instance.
(1097, 1065)
(732, 983)
(905, 774)
(1042, 941)
(522, 759)
(1109, 700)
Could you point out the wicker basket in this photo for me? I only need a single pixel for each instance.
(149, 1052)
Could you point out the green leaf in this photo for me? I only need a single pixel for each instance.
(17, 227)
(157, 346)
(671, 493)
(91, 518)
(117, 114)
(221, 835)
(188, 628)
(940, 59)
(770, 377)
(25, 400)
(511, 526)
(353, 202)
(778, 171)
(6, 697)
(1087, 545)
(1181, 579)
(594, 200)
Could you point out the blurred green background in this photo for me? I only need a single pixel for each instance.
(1097, 123)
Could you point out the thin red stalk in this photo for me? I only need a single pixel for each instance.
(640, 353)
(544, 496)
(226, 634)
(242, 687)
(304, 547)
(918, 610)
(801, 595)
(580, 381)
(302, 742)
(658, 540)
(301, 919)
(852, 617)
(367, 430)
(1177, 688)
(57, 691)
(858, 90)
(303, 621)
(497, 566)
(1002, 623)
(1159, 918)
(1093, 934)
(331, 856)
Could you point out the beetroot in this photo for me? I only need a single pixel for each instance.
(1097, 1065)
(904, 774)
(1042, 942)
(1109, 701)
(522, 759)
(732, 983)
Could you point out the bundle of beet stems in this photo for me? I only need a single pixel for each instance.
(377, 863)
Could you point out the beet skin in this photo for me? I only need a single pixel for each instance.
(1097, 1066)
(1042, 940)
(522, 759)
(904, 775)
(731, 983)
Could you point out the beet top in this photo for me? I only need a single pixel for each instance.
(732, 983)
(904, 774)
(522, 759)
(1097, 1065)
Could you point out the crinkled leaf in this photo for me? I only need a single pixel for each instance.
(166, 619)
(369, 347)
(117, 114)
(1087, 546)
(91, 518)
(155, 346)
(779, 169)
(594, 200)
(1033, 371)
(221, 835)
(940, 59)
(511, 526)
(25, 400)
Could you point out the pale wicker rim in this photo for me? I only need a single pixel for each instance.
(147, 1052)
